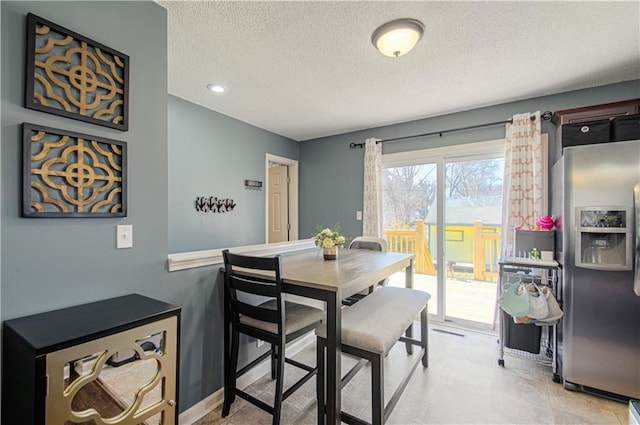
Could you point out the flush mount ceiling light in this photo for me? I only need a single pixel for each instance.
(397, 38)
(216, 88)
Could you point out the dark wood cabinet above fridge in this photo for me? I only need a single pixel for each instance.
(596, 112)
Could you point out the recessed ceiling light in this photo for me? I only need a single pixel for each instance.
(217, 88)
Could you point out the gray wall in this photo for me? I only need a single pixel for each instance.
(211, 154)
(53, 263)
(327, 197)
(50, 263)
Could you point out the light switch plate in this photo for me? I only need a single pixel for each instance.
(358, 215)
(124, 236)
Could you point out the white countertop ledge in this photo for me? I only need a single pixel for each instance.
(193, 259)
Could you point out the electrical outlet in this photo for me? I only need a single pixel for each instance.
(358, 215)
(259, 343)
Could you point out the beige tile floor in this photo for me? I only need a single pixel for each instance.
(463, 385)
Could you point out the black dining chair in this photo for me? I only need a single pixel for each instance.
(374, 244)
(271, 319)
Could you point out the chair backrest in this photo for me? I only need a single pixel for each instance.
(369, 242)
(260, 284)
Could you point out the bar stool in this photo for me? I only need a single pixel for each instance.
(274, 321)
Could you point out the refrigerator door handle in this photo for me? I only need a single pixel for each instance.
(636, 229)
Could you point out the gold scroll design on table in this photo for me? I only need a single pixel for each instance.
(85, 176)
(77, 77)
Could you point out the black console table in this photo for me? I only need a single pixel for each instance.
(58, 367)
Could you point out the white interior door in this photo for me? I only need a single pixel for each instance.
(278, 227)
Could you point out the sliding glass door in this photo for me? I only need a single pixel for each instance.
(444, 205)
(472, 217)
(410, 196)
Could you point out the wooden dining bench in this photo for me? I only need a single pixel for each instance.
(370, 328)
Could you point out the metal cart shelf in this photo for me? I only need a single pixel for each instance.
(543, 272)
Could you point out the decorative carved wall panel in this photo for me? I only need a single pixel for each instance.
(68, 174)
(73, 76)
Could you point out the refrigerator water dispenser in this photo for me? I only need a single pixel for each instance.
(604, 238)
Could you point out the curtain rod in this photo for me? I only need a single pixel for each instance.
(546, 115)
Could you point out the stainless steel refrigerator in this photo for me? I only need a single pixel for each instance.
(593, 197)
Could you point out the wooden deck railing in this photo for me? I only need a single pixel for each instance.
(486, 248)
(486, 251)
(412, 240)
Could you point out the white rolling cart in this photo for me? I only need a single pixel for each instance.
(542, 272)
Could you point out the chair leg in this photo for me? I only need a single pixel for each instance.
(277, 403)
(377, 390)
(273, 361)
(320, 379)
(424, 337)
(230, 388)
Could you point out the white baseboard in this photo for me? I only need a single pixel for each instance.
(202, 408)
(213, 401)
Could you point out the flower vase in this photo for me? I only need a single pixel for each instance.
(330, 253)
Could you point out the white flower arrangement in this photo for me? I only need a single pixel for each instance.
(328, 238)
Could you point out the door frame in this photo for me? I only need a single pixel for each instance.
(440, 156)
(292, 166)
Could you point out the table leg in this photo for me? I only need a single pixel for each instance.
(333, 367)
(408, 276)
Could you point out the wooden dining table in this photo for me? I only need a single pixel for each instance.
(307, 274)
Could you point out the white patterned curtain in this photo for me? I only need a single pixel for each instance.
(523, 190)
(372, 208)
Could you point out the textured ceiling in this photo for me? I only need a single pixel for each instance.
(307, 69)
